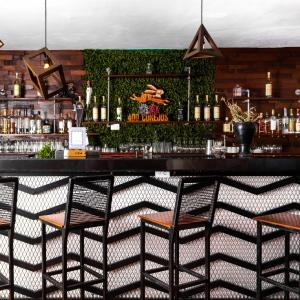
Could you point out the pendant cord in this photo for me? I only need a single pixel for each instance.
(45, 23)
(201, 12)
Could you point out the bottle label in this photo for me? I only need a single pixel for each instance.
(207, 113)
(61, 126)
(119, 113)
(216, 112)
(297, 126)
(291, 125)
(269, 90)
(103, 113)
(17, 90)
(197, 113)
(226, 127)
(95, 114)
(273, 125)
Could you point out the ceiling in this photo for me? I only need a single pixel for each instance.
(131, 24)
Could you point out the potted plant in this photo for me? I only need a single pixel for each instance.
(244, 124)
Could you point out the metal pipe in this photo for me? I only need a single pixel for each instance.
(188, 69)
(108, 70)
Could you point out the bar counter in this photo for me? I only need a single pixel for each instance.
(268, 165)
(250, 186)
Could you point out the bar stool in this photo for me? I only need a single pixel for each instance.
(88, 205)
(8, 206)
(195, 207)
(288, 222)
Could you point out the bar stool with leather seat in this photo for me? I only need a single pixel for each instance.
(289, 222)
(88, 205)
(8, 206)
(195, 207)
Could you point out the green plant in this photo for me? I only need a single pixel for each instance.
(135, 62)
(46, 152)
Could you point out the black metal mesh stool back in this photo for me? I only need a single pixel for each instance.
(8, 201)
(196, 196)
(92, 195)
(8, 206)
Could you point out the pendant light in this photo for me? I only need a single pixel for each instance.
(46, 60)
(197, 47)
(50, 70)
(1, 44)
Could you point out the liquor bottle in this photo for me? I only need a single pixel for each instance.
(89, 92)
(292, 122)
(261, 124)
(273, 122)
(298, 121)
(179, 112)
(69, 122)
(285, 122)
(226, 126)
(95, 110)
(268, 91)
(4, 122)
(46, 128)
(103, 110)
(19, 122)
(216, 109)
(32, 123)
(61, 124)
(279, 125)
(267, 124)
(17, 87)
(38, 122)
(206, 109)
(26, 121)
(12, 122)
(197, 110)
(119, 110)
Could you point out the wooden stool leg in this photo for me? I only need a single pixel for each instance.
(11, 264)
(44, 253)
(259, 262)
(287, 263)
(64, 264)
(142, 245)
(104, 247)
(171, 266)
(82, 262)
(207, 263)
(177, 265)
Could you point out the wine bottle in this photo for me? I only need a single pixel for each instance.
(298, 121)
(197, 111)
(95, 110)
(268, 91)
(291, 122)
(273, 122)
(38, 121)
(89, 92)
(17, 87)
(226, 126)
(285, 122)
(206, 109)
(119, 110)
(216, 109)
(103, 110)
(61, 124)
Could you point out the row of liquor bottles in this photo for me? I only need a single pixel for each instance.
(26, 121)
(205, 112)
(274, 125)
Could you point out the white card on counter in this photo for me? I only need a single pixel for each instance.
(115, 127)
(162, 174)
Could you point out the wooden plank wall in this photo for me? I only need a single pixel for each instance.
(248, 67)
(12, 62)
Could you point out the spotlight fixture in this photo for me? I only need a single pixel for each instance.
(197, 47)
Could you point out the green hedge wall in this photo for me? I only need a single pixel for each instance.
(135, 62)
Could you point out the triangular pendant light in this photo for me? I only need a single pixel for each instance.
(197, 47)
(1, 44)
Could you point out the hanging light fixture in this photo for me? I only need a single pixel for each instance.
(197, 47)
(46, 60)
(1, 44)
(50, 71)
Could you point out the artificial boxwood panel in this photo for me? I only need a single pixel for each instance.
(135, 62)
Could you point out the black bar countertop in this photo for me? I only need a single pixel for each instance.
(267, 166)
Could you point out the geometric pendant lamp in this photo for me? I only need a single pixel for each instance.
(1, 44)
(49, 82)
(202, 45)
(197, 47)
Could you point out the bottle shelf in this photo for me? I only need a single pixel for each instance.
(35, 99)
(42, 135)
(268, 99)
(162, 122)
(153, 75)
